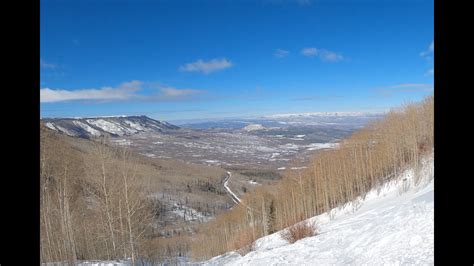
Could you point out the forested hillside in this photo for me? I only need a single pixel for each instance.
(392, 224)
(370, 157)
(103, 202)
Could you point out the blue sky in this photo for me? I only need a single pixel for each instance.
(175, 60)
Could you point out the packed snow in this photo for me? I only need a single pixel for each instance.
(391, 225)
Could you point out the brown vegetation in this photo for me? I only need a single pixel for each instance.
(104, 202)
(244, 241)
(299, 231)
(91, 207)
(371, 156)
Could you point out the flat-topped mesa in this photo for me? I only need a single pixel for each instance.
(89, 127)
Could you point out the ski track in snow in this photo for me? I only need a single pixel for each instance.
(393, 225)
(233, 196)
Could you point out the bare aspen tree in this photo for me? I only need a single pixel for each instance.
(371, 156)
(57, 192)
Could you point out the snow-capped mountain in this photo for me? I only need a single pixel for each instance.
(110, 125)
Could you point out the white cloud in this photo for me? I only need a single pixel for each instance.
(430, 71)
(310, 52)
(328, 56)
(46, 65)
(206, 67)
(323, 54)
(124, 92)
(427, 54)
(280, 53)
(132, 85)
(49, 95)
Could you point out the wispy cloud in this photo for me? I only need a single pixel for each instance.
(280, 53)
(430, 71)
(207, 67)
(127, 91)
(310, 52)
(323, 54)
(329, 56)
(47, 65)
(169, 93)
(429, 52)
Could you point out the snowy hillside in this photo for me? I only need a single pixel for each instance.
(111, 125)
(392, 225)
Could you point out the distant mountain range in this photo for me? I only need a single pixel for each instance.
(328, 114)
(110, 125)
(321, 119)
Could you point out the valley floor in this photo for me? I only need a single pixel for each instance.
(393, 225)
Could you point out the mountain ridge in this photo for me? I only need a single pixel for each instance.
(89, 127)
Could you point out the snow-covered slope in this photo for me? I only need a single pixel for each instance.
(111, 125)
(393, 225)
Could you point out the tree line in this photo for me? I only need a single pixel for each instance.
(369, 157)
